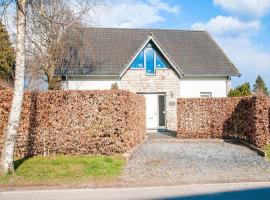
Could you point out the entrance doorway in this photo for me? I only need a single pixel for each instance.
(155, 111)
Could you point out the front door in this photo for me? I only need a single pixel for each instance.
(155, 111)
(151, 111)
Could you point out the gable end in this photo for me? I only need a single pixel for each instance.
(162, 52)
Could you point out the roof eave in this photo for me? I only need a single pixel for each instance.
(94, 75)
(230, 74)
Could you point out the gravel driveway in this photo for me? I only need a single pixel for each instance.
(167, 161)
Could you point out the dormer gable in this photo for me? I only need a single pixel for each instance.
(149, 59)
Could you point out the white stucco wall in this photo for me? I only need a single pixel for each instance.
(193, 86)
(89, 83)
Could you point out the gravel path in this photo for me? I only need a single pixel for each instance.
(165, 161)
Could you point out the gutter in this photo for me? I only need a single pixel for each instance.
(205, 75)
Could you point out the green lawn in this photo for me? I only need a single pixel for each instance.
(267, 151)
(63, 170)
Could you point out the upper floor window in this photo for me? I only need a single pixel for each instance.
(138, 62)
(150, 62)
(149, 59)
(159, 62)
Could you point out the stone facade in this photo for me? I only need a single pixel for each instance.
(165, 81)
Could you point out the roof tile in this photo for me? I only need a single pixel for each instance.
(108, 50)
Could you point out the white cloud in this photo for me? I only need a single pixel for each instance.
(158, 4)
(249, 58)
(132, 13)
(234, 36)
(247, 7)
(244, 52)
(228, 25)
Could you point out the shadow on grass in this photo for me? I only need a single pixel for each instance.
(19, 162)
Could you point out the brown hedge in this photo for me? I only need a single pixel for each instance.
(76, 122)
(246, 118)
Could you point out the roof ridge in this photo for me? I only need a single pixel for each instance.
(151, 29)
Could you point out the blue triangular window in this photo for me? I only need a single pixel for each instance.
(138, 63)
(150, 59)
(160, 63)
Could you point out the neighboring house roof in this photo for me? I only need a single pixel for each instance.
(110, 50)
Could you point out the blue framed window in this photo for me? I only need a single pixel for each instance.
(149, 59)
(150, 65)
(138, 62)
(160, 64)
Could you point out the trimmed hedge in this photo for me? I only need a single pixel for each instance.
(242, 117)
(76, 122)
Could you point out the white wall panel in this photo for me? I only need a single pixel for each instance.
(192, 87)
(89, 84)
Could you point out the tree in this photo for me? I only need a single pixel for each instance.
(242, 90)
(7, 165)
(260, 86)
(22, 6)
(44, 37)
(7, 56)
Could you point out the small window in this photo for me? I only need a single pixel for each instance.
(160, 64)
(206, 94)
(138, 62)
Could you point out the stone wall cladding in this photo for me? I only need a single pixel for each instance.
(246, 118)
(165, 81)
(76, 122)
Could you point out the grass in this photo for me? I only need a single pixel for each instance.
(62, 170)
(267, 151)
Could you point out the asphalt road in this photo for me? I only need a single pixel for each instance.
(233, 191)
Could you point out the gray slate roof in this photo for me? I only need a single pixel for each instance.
(106, 51)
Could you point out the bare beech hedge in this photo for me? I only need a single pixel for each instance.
(76, 122)
(242, 117)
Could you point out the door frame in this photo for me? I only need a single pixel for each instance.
(158, 94)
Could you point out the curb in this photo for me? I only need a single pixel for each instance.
(30, 190)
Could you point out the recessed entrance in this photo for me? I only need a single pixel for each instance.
(155, 111)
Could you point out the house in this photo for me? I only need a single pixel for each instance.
(162, 65)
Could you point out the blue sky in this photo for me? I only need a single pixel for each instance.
(241, 27)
